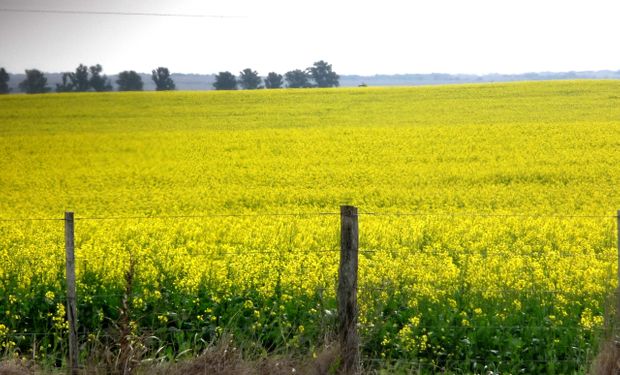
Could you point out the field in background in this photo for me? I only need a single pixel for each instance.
(487, 220)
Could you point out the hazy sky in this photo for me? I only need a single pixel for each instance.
(356, 37)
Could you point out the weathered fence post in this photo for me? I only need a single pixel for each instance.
(347, 290)
(71, 293)
(618, 271)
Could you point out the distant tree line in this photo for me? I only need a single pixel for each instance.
(320, 74)
(91, 79)
(86, 79)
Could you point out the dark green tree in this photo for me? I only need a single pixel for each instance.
(67, 83)
(97, 81)
(323, 75)
(35, 82)
(4, 82)
(161, 77)
(273, 81)
(297, 79)
(249, 79)
(225, 81)
(80, 79)
(129, 81)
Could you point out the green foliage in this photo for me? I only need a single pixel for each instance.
(249, 79)
(273, 81)
(4, 82)
(225, 81)
(162, 79)
(129, 81)
(66, 85)
(97, 81)
(79, 81)
(35, 83)
(297, 79)
(323, 75)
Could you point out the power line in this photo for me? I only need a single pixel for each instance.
(112, 13)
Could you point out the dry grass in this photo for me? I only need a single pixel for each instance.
(17, 367)
(225, 359)
(607, 362)
(222, 359)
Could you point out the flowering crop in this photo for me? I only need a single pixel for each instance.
(487, 233)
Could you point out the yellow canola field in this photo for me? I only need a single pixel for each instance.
(487, 228)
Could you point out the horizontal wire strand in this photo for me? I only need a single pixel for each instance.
(475, 214)
(310, 214)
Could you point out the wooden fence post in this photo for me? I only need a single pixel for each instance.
(618, 272)
(71, 293)
(347, 290)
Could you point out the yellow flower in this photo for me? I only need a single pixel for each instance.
(49, 297)
(589, 320)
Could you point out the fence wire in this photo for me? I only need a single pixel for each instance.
(327, 213)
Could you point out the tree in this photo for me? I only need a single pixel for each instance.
(79, 79)
(249, 79)
(66, 85)
(4, 82)
(297, 79)
(35, 82)
(273, 81)
(225, 81)
(129, 81)
(75, 81)
(161, 77)
(97, 81)
(322, 74)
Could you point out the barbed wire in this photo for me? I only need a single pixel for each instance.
(498, 363)
(214, 253)
(83, 298)
(30, 219)
(302, 214)
(200, 252)
(478, 214)
(203, 216)
(447, 328)
(218, 255)
(449, 251)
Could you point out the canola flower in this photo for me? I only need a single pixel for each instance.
(462, 284)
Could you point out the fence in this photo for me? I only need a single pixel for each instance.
(346, 290)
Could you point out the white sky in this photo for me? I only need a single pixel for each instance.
(356, 37)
